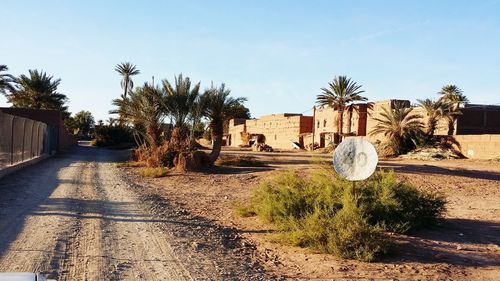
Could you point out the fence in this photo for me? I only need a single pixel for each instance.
(22, 139)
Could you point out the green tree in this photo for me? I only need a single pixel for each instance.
(180, 100)
(454, 96)
(435, 110)
(6, 80)
(399, 126)
(127, 70)
(342, 92)
(37, 90)
(84, 121)
(218, 108)
(143, 109)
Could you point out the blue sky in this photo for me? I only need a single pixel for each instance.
(278, 54)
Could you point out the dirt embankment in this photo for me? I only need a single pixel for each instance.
(466, 247)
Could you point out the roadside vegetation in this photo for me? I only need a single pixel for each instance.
(165, 120)
(323, 212)
(239, 161)
(153, 172)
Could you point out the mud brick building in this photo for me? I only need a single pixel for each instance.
(289, 130)
(283, 130)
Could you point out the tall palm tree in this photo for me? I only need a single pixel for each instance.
(6, 80)
(399, 126)
(454, 96)
(180, 100)
(38, 90)
(435, 110)
(218, 108)
(342, 92)
(143, 109)
(127, 70)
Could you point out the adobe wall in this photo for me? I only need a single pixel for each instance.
(479, 146)
(441, 126)
(235, 133)
(279, 130)
(326, 122)
(50, 117)
(376, 112)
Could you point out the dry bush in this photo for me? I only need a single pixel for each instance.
(191, 161)
(153, 172)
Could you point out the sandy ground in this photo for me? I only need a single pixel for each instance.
(466, 247)
(75, 217)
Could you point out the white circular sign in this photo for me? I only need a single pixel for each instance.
(355, 159)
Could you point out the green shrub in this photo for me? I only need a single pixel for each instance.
(322, 212)
(110, 135)
(153, 172)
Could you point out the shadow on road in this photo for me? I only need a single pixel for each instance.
(27, 192)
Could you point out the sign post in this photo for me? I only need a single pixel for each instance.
(355, 159)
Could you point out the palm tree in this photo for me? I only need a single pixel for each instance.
(454, 96)
(180, 100)
(342, 92)
(38, 90)
(435, 110)
(218, 108)
(127, 70)
(143, 109)
(399, 126)
(6, 80)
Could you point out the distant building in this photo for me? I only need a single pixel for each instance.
(289, 130)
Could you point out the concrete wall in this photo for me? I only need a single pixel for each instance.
(479, 146)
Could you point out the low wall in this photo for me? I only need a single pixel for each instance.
(14, 168)
(479, 146)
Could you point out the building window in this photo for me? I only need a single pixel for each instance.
(318, 124)
(324, 123)
(274, 137)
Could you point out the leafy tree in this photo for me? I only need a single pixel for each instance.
(218, 108)
(342, 92)
(399, 126)
(180, 100)
(143, 109)
(84, 121)
(435, 110)
(38, 90)
(6, 80)
(127, 70)
(454, 96)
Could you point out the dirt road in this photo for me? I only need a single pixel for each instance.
(73, 217)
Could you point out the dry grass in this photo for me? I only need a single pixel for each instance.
(238, 161)
(131, 164)
(153, 172)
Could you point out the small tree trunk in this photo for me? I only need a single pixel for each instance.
(431, 127)
(349, 121)
(341, 123)
(451, 126)
(217, 134)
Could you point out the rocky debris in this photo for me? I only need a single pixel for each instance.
(259, 147)
(432, 153)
